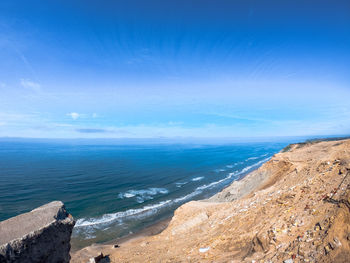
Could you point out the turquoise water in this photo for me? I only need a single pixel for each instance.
(113, 190)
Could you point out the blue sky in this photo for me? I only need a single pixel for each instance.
(140, 69)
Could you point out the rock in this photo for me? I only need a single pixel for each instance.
(337, 242)
(261, 242)
(204, 249)
(318, 227)
(97, 259)
(326, 250)
(331, 245)
(41, 235)
(288, 260)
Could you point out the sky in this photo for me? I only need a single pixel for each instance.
(150, 69)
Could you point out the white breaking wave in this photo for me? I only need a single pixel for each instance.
(197, 178)
(217, 182)
(114, 216)
(151, 209)
(180, 184)
(127, 195)
(186, 197)
(254, 165)
(230, 175)
(144, 194)
(200, 189)
(254, 158)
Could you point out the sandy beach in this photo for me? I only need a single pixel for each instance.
(151, 230)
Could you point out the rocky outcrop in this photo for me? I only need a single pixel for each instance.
(41, 235)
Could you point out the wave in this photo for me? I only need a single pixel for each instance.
(152, 209)
(197, 178)
(252, 158)
(127, 195)
(107, 218)
(219, 170)
(144, 194)
(180, 184)
(200, 189)
(230, 175)
(254, 165)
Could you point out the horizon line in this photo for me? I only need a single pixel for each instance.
(318, 136)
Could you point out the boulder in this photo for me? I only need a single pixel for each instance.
(41, 235)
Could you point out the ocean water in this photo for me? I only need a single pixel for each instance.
(114, 190)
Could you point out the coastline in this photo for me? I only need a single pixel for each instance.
(290, 215)
(84, 254)
(150, 230)
(243, 185)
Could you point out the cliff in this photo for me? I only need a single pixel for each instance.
(294, 208)
(41, 235)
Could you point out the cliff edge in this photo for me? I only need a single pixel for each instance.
(41, 235)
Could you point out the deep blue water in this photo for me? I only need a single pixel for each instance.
(113, 190)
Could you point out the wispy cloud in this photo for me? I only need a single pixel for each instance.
(28, 84)
(74, 115)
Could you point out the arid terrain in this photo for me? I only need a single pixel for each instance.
(294, 208)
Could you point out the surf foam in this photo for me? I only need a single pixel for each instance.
(107, 218)
(151, 209)
(197, 178)
(144, 194)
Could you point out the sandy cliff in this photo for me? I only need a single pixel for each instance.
(294, 208)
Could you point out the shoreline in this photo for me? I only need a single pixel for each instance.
(292, 209)
(245, 184)
(277, 212)
(150, 230)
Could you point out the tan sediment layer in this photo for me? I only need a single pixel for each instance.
(296, 206)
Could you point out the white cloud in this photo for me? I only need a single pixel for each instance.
(74, 115)
(28, 84)
(94, 115)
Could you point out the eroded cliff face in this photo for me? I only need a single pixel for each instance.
(41, 235)
(295, 208)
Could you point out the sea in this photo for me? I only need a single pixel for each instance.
(114, 189)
